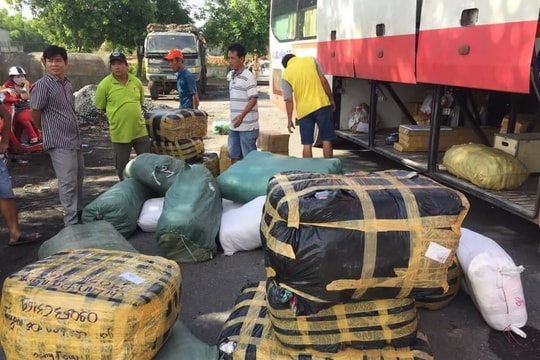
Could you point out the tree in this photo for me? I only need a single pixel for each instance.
(61, 22)
(22, 31)
(243, 21)
(83, 25)
(172, 11)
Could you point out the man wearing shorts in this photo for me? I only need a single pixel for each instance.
(244, 95)
(304, 77)
(7, 201)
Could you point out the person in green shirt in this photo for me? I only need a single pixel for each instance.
(121, 95)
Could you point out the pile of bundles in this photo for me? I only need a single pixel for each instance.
(243, 187)
(179, 133)
(90, 304)
(155, 27)
(191, 197)
(346, 256)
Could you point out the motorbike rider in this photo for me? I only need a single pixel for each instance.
(16, 91)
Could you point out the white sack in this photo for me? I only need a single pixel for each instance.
(150, 213)
(240, 227)
(493, 281)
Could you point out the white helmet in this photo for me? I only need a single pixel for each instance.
(16, 70)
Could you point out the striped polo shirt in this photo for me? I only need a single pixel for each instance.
(58, 119)
(243, 87)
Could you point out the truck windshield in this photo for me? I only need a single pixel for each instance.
(164, 42)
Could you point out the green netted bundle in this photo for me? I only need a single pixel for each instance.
(221, 127)
(120, 205)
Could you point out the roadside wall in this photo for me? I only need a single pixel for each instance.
(83, 69)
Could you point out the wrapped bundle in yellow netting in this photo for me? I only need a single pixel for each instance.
(439, 301)
(176, 124)
(249, 332)
(189, 150)
(366, 324)
(336, 238)
(485, 167)
(90, 304)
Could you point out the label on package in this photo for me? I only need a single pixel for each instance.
(438, 252)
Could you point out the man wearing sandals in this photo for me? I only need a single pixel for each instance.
(7, 201)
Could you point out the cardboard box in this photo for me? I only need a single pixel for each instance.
(525, 147)
(416, 137)
(522, 123)
(224, 160)
(273, 141)
(414, 110)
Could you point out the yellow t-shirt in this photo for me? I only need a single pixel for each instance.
(301, 73)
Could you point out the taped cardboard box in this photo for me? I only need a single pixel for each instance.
(224, 160)
(90, 304)
(273, 141)
(524, 123)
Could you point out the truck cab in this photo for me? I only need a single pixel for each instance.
(162, 38)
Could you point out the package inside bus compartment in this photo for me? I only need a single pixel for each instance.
(335, 238)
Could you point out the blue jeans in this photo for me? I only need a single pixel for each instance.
(6, 189)
(323, 119)
(242, 143)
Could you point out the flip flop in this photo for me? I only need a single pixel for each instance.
(25, 240)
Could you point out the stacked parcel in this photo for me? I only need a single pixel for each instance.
(347, 254)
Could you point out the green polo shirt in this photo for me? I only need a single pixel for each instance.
(122, 105)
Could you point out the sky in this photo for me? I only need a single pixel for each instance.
(26, 11)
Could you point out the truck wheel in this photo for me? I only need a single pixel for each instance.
(154, 91)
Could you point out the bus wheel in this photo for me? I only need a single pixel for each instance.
(154, 91)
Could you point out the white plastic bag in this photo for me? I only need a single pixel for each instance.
(359, 119)
(240, 227)
(493, 281)
(150, 213)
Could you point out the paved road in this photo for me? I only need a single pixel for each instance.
(456, 332)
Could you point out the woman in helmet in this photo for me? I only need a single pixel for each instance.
(16, 91)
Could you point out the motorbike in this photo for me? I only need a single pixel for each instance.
(16, 147)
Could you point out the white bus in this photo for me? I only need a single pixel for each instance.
(472, 61)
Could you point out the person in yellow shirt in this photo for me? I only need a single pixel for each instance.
(304, 78)
(121, 95)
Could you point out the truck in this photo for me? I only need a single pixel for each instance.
(473, 62)
(160, 39)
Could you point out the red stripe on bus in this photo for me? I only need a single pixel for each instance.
(386, 58)
(494, 57)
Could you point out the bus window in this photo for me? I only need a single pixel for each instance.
(308, 16)
(284, 19)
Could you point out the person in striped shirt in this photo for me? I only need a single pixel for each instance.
(244, 129)
(53, 112)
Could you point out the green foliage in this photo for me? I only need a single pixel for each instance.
(243, 21)
(22, 31)
(172, 11)
(83, 25)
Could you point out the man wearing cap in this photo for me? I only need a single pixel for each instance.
(121, 95)
(185, 82)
